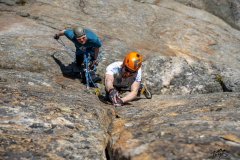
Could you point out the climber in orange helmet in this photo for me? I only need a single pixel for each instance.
(124, 76)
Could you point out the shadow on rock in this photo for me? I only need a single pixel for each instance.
(67, 71)
(73, 71)
(137, 99)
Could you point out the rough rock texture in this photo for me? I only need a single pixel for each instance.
(177, 127)
(40, 119)
(161, 28)
(191, 64)
(227, 10)
(43, 116)
(174, 76)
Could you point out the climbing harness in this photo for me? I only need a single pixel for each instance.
(86, 60)
(141, 89)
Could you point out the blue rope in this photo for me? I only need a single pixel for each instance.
(103, 48)
(107, 38)
(87, 74)
(68, 49)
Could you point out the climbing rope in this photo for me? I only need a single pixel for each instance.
(86, 60)
(87, 72)
(68, 49)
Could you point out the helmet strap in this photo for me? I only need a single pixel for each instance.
(81, 35)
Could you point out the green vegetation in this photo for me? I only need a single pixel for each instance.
(219, 79)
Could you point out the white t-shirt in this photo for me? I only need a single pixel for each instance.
(114, 69)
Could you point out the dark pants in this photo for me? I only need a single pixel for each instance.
(79, 60)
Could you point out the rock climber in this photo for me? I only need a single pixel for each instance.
(125, 76)
(85, 41)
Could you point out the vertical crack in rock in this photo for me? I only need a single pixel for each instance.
(234, 5)
(115, 128)
(108, 152)
(224, 87)
(191, 67)
(155, 15)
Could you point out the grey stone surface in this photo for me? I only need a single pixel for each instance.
(228, 10)
(191, 64)
(51, 118)
(197, 37)
(177, 127)
(174, 76)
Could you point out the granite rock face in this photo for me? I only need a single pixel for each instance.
(162, 28)
(41, 120)
(190, 63)
(227, 10)
(175, 76)
(177, 127)
(48, 117)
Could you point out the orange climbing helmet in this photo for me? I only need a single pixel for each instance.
(133, 61)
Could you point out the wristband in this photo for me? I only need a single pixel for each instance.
(119, 101)
(55, 36)
(112, 92)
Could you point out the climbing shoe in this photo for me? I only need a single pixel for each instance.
(146, 92)
(143, 90)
